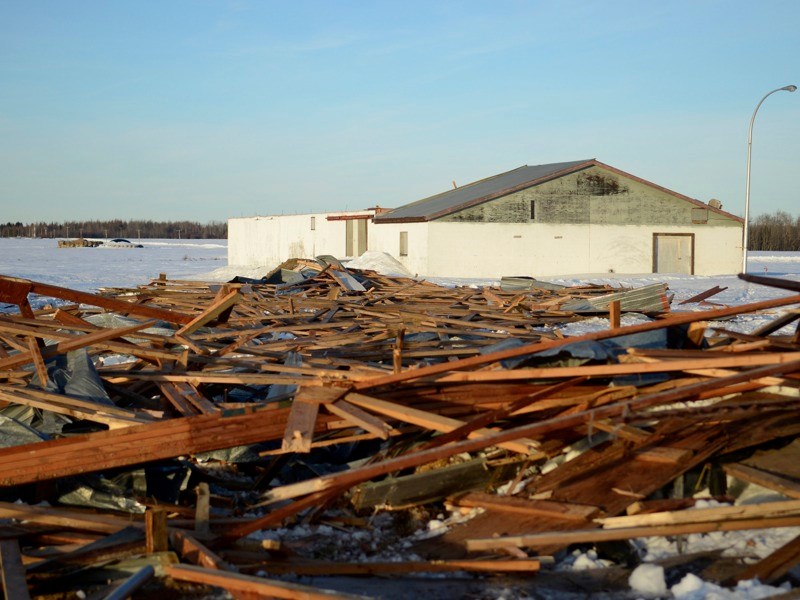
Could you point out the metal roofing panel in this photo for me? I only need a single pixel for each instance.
(452, 200)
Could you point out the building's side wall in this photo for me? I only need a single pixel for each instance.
(269, 241)
(593, 196)
(386, 238)
(538, 250)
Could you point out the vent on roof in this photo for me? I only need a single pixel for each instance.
(714, 203)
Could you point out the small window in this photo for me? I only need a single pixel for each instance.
(403, 243)
(699, 215)
(313, 223)
(533, 210)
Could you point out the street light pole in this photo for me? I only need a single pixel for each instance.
(746, 238)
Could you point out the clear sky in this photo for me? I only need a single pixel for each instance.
(205, 110)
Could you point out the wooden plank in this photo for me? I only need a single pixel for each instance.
(112, 304)
(524, 506)
(202, 509)
(782, 485)
(360, 418)
(704, 515)
(210, 313)
(705, 295)
(155, 520)
(300, 427)
(589, 536)
(259, 586)
(176, 399)
(195, 552)
(65, 405)
(186, 392)
(774, 567)
(612, 370)
(614, 313)
(38, 361)
(138, 444)
(422, 487)
(64, 518)
(663, 454)
(15, 584)
(429, 420)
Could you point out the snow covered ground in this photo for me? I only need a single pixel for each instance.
(91, 268)
(87, 269)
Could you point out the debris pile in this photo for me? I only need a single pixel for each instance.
(170, 430)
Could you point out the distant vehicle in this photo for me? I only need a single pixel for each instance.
(121, 243)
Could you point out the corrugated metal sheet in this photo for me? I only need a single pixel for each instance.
(470, 194)
(650, 298)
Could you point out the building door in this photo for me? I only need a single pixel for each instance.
(673, 253)
(355, 242)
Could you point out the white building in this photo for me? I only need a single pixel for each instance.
(544, 220)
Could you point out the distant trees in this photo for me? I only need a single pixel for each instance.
(116, 228)
(778, 231)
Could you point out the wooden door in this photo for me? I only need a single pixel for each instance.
(673, 253)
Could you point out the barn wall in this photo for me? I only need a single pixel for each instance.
(592, 196)
(386, 238)
(497, 249)
(268, 241)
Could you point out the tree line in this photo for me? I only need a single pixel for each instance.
(116, 228)
(778, 231)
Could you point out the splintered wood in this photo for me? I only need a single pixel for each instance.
(328, 388)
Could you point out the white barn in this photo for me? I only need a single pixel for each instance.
(545, 220)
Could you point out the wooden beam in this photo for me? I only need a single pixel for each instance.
(155, 523)
(429, 420)
(614, 313)
(212, 312)
(524, 506)
(112, 304)
(260, 587)
(300, 427)
(782, 485)
(589, 536)
(775, 566)
(613, 370)
(138, 444)
(701, 515)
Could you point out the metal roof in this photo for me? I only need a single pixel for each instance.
(474, 193)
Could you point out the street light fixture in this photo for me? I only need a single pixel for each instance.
(745, 241)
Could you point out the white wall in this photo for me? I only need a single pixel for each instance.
(386, 238)
(535, 249)
(451, 249)
(268, 241)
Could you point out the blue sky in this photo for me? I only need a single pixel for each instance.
(206, 110)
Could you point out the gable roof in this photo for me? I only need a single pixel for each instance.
(451, 201)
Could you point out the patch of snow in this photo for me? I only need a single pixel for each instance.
(381, 262)
(691, 587)
(648, 580)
